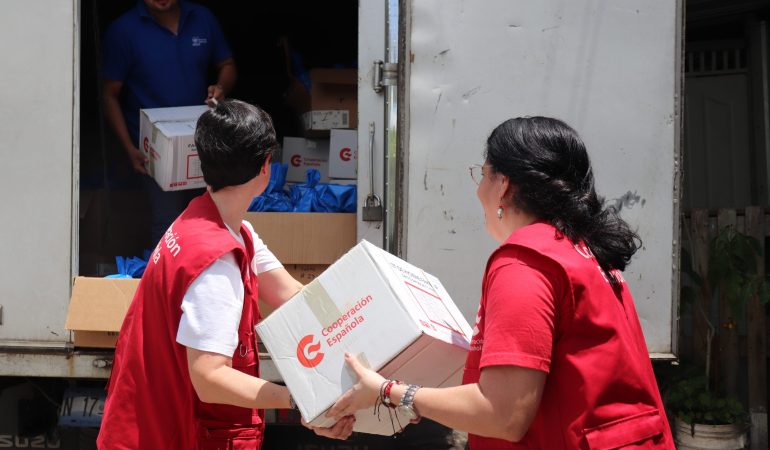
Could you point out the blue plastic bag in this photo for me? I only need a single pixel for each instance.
(335, 198)
(302, 195)
(313, 196)
(275, 198)
(131, 267)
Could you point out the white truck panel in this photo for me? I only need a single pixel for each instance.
(371, 47)
(38, 45)
(608, 69)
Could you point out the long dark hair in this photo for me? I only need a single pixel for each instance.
(547, 163)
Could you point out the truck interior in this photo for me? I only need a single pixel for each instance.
(273, 43)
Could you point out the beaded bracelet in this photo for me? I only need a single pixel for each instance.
(386, 393)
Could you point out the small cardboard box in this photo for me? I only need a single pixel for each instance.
(301, 154)
(331, 102)
(97, 308)
(343, 154)
(305, 238)
(325, 119)
(396, 318)
(166, 135)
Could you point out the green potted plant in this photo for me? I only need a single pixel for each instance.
(703, 418)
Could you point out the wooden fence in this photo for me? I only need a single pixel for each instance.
(698, 229)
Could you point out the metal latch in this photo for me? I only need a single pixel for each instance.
(372, 209)
(385, 74)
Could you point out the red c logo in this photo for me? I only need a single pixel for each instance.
(146, 144)
(345, 154)
(305, 349)
(296, 160)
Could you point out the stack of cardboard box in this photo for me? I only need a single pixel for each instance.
(329, 112)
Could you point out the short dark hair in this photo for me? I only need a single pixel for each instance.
(233, 141)
(547, 162)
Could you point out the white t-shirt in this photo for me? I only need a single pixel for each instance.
(212, 305)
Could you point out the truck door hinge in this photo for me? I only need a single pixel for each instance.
(385, 74)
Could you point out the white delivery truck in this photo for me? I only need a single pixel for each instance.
(434, 78)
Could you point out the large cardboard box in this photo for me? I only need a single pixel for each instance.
(396, 318)
(306, 243)
(304, 273)
(343, 154)
(97, 308)
(305, 238)
(99, 305)
(331, 102)
(301, 154)
(166, 135)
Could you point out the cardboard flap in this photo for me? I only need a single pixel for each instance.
(99, 304)
(181, 128)
(175, 114)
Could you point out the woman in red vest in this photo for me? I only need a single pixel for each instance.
(186, 369)
(558, 359)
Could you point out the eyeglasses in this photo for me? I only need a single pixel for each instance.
(477, 173)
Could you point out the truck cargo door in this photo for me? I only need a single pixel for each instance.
(39, 134)
(611, 70)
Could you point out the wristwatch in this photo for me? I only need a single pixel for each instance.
(406, 406)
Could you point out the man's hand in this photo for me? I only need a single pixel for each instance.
(215, 95)
(138, 160)
(340, 430)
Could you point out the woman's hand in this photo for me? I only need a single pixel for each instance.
(362, 395)
(340, 430)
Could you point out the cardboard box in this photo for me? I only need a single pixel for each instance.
(306, 243)
(302, 154)
(396, 318)
(305, 238)
(343, 154)
(304, 273)
(325, 119)
(166, 137)
(99, 305)
(97, 308)
(331, 102)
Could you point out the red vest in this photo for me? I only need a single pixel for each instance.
(151, 403)
(601, 392)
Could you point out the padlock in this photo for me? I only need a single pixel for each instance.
(372, 210)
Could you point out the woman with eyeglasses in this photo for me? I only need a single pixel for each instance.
(558, 359)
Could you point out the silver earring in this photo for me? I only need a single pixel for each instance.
(500, 212)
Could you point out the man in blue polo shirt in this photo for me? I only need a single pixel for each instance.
(158, 54)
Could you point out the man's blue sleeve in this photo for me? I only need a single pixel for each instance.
(116, 55)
